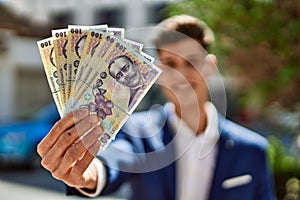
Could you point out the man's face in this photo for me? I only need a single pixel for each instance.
(184, 71)
(125, 72)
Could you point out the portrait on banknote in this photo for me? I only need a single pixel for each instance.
(52, 57)
(127, 73)
(80, 45)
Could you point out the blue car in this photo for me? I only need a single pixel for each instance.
(18, 140)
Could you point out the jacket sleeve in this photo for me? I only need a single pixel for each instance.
(120, 160)
(265, 186)
(125, 156)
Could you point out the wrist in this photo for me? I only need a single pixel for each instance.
(99, 179)
(91, 175)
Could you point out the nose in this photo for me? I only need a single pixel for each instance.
(185, 69)
(179, 70)
(127, 78)
(180, 74)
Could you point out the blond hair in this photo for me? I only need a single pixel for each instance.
(182, 26)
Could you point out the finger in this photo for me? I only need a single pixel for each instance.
(75, 152)
(75, 176)
(60, 126)
(81, 165)
(70, 136)
(66, 140)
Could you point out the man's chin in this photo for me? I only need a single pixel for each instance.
(133, 83)
(186, 97)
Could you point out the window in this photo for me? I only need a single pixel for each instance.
(32, 90)
(156, 12)
(62, 19)
(110, 16)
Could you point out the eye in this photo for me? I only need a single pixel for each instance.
(125, 68)
(119, 75)
(189, 63)
(171, 64)
(196, 59)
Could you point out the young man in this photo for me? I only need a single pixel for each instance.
(185, 150)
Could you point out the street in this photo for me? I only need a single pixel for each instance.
(33, 184)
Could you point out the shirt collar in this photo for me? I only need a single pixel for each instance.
(211, 133)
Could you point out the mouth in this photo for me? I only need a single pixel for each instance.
(185, 93)
(182, 87)
(130, 79)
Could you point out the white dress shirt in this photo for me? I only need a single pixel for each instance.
(197, 155)
(196, 163)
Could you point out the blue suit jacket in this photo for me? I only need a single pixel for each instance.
(143, 155)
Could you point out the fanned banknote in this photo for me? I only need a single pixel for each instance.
(120, 73)
(96, 68)
(60, 41)
(46, 50)
(93, 40)
(76, 40)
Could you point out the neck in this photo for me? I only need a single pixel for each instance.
(202, 123)
(195, 118)
(140, 84)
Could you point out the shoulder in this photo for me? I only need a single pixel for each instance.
(241, 136)
(145, 123)
(155, 116)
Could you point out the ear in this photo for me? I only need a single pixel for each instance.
(212, 58)
(212, 64)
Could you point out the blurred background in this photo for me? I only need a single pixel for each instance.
(258, 49)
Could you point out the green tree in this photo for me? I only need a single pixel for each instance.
(257, 41)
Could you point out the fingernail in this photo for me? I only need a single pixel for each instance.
(99, 130)
(93, 119)
(83, 112)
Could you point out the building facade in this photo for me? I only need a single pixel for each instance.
(23, 85)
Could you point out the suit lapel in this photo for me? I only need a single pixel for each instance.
(223, 162)
(169, 171)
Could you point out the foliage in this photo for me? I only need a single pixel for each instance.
(286, 168)
(257, 41)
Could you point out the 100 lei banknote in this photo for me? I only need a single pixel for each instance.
(118, 71)
(96, 68)
(46, 50)
(60, 41)
(77, 36)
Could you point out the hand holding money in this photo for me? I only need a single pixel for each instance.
(96, 68)
(67, 154)
(97, 78)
